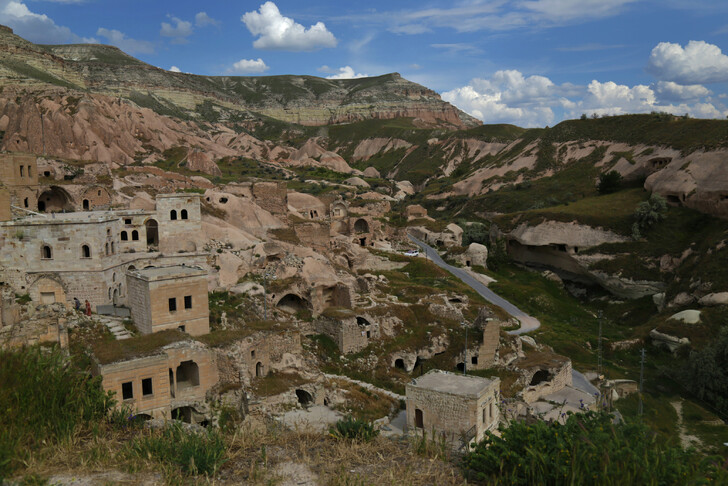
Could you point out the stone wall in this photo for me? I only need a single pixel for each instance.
(315, 235)
(351, 334)
(486, 354)
(180, 226)
(169, 390)
(5, 212)
(271, 196)
(560, 377)
(95, 197)
(451, 414)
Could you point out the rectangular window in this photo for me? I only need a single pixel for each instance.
(22, 171)
(172, 304)
(127, 221)
(188, 302)
(181, 328)
(252, 353)
(484, 418)
(147, 387)
(127, 390)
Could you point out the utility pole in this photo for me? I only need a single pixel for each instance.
(642, 380)
(599, 348)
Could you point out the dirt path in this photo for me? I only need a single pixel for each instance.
(686, 440)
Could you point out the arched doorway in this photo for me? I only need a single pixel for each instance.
(152, 232)
(304, 397)
(292, 303)
(55, 199)
(419, 419)
(259, 369)
(399, 364)
(361, 226)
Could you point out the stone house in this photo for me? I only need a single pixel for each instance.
(460, 408)
(544, 373)
(167, 376)
(86, 254)
(19, 173)
(351, 332)
(169, 298)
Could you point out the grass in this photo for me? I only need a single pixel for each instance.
(276, 383)
(111, 351)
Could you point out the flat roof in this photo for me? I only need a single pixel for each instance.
(163, 273)
(179, 194)
(453, 383)
(107, 352)
(77, 217)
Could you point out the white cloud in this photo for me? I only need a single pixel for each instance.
(347, 72)
(510, 97)
(175, 69)
(277, 32)
(35, 27)
(204, 20)
(669, 91)
(179, 31)
(559, 11)
(249, 66)
(697, 63)
(120, 40)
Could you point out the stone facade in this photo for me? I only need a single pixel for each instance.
(271, 196)
(180, 222)
(169, 298)
(350, 331)
(453, 405)
(95, 198)
(5, 212)
(315, 235)
(174, 378)
(19, 173)
(486, 355)
(86, 254)
(547, 379)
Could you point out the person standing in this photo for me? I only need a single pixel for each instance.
(88, 308)
(76, 304)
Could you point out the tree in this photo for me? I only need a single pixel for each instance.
(648, 213)
(609, 182)
(706, 375)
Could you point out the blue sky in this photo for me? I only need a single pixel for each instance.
(527, 62)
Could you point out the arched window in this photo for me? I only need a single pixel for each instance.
(46, 252)
(124, 236)
(25, 202)
(30, 171)
(173, 214)
(135, 235)
(22, 171)
(85, 251)
(107, 248)
(112, 247)
(183, 214)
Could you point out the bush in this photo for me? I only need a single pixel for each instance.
(194, 453)
(587, 449)
(43, 399)
(648, 213)
(354, 429)
(706, 375)
(475, 233)
(609, 182)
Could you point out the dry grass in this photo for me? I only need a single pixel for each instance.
(147, 345)
(365, 404)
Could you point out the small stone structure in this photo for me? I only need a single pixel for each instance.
(169, 380)
(455, 406)
(350, 331)
(485, 355)
(415, 211)
(169, 298)
(19, 173)
(549, 374)
(475, 254)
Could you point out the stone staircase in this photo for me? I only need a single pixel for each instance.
(116, 327)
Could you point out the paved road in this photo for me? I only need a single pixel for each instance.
(528, 323)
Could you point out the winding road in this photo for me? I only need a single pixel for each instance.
(528, 323)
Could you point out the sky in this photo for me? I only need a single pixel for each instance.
(531, 63)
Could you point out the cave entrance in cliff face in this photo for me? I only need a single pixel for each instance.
(55, 199)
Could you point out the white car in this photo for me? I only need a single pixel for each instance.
(412, 253)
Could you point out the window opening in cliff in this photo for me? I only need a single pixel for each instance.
(304, 397)
(22, 171)
(85, 251)
(362, 242)
(188, 375)
(46, 173)
(173, 215)
(183, 214)
(46, 252)
(259, 369)
(127, 221)
(673, 199)
(362, 322)
(460, 367)
(135, 235)
(455, 300)
(25, 202)
(399, 364)
(223, 200)
(171, 382)
(361, 226)
(419, 420)
(124, 236)
(54, 199)
(292, 303)
(85, 204)
(539, 377)
(474, 360)
(152, 232)
(467, 263)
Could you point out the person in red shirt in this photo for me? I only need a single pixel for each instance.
(88, 308)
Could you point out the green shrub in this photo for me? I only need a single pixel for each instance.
(706, 374)
(43, 399)
(609, 182)
(354, 429)
(648, 213)
(587, 449)
(193, 452)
